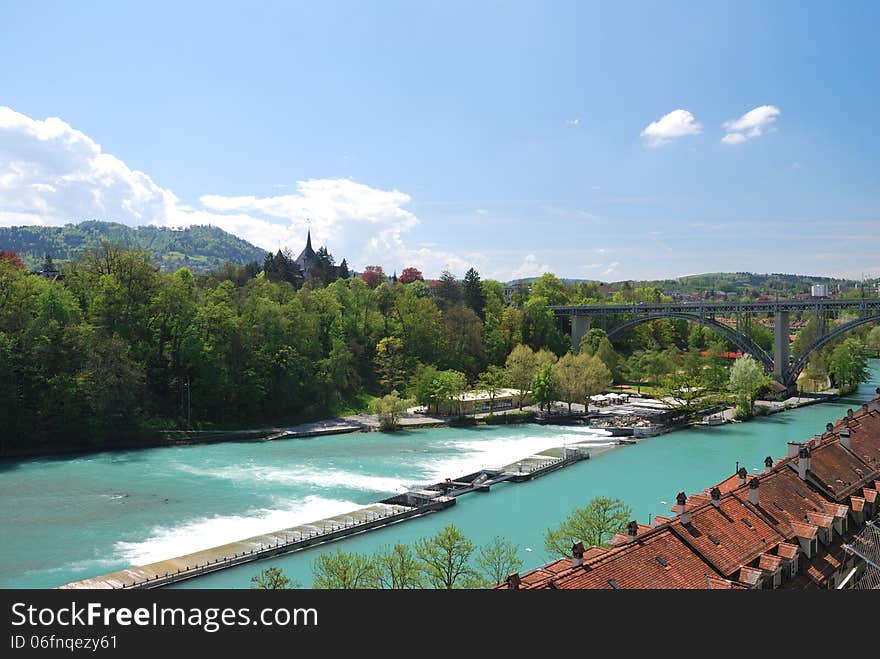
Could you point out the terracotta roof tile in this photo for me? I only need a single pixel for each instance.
(787, 550)
(783, 497)
(770, 562)
(729, 484)
(592, 552)
(823, 565)
(857, 503)
(864, 436)
(870, 494)
(750, 575)
(806, 531)
(820, 519)
(717, 583)
(723, 538)
(838, 470)
(655, 560)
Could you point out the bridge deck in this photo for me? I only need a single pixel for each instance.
(710, 308)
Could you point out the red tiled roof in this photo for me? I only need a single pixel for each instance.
(870, 495)
(750, 575)
(783, 497)
(787, 550)
(717, 583)
(770, 562)
(655, 560)
(722, 537)
(857, 503)
(838, 470)
(806, 531)
(820, 519)
(592, 552)
(621, 538)
(822, 566)
(729, 484)
(864, 431)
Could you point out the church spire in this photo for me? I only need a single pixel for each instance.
(309, 241)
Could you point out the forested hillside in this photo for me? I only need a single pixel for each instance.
(198, 247)
(118, 349)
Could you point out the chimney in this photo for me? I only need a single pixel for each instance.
(513, 581)
(845, 439)
(803, 462)
(742, 473)
(754, 485)
(632, 530)
(716, 497)
(792, 449)
(577, 553)
(681, 508)
(768, 464)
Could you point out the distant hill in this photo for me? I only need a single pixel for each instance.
(199, 247)
(741, 283)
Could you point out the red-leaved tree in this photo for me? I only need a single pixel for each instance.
(409, 275)
(373, 275)
(12, 258)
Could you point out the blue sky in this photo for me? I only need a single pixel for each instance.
(511, 136)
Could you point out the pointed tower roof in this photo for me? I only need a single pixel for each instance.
(308, 253)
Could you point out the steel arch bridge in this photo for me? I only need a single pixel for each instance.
(784, 369)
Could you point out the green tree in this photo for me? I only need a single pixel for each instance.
(848, 365)
(520, 369)
(273, 578)
(609, 357)
(496, 560)
(463, 343)
(398, 568)
(747, 378)
(543, 386)
(389, 409)
(591, 340)
(493, 380)
(341, 570)
(448, 292)
(445, 558)
(686, 394)
(390, 363)
(594, 525)
(872, 341)
(472, 291)
(549, 287)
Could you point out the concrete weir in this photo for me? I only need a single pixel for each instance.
(383, 513)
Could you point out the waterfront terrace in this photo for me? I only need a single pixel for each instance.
(790, 527)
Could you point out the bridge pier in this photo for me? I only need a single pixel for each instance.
(580, 325)
(781, 346)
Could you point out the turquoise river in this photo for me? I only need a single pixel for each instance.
(68, 518)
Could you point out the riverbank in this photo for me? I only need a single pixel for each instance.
(67, 519)
(640, 416)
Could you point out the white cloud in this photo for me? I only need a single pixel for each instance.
(51, 174)
(611, 269)
(753, 123)
(677, 123)
(529, 268)
(573, 122)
